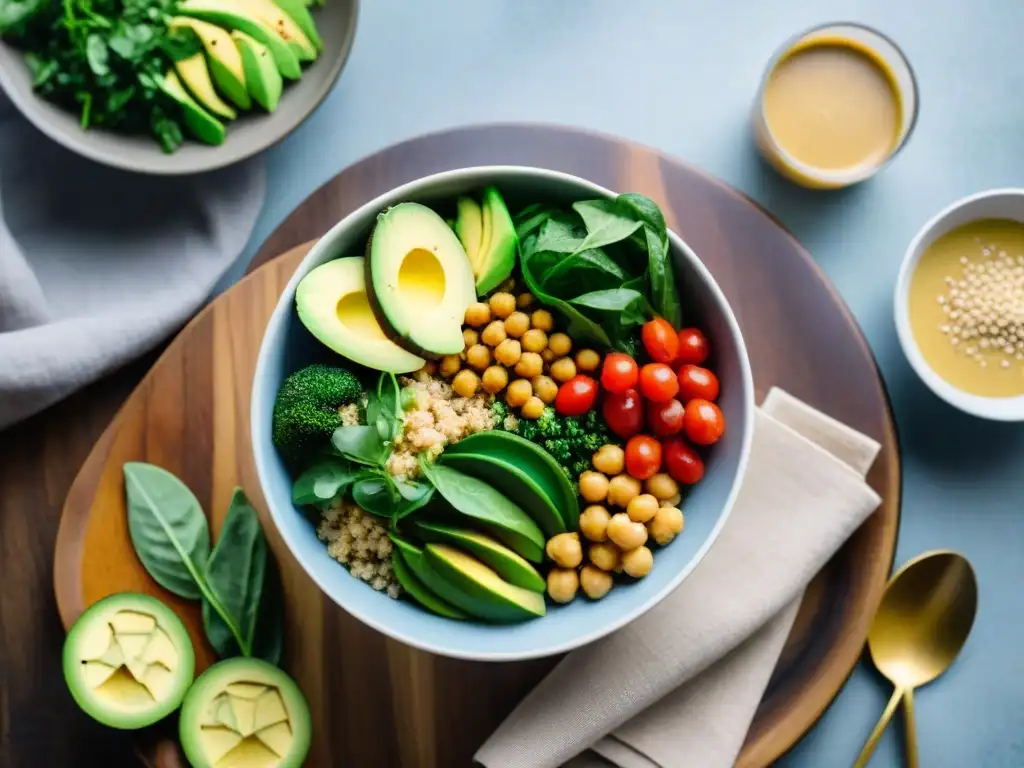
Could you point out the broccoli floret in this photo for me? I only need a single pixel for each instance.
(560, 450)
(500, 411)
(550, 425)
(306, 410)
(529, 430)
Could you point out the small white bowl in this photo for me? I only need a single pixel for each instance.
(991, 204)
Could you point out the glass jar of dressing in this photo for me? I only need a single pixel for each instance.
(836, 103)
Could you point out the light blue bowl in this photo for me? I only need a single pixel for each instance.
(287, 346)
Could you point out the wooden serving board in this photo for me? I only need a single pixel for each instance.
(376, 702)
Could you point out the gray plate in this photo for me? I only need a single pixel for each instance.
(247, 136)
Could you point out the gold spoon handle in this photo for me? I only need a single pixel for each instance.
(911, 735)
(876, 734)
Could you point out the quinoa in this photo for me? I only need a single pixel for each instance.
(360, 542)
(349, 415)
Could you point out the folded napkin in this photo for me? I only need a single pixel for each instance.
(678, 687)
(97, 266)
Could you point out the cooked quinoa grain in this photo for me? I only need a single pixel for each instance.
(360, 542)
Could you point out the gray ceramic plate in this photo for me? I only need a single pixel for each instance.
(250, 134)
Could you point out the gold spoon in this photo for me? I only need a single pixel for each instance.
(923, 621)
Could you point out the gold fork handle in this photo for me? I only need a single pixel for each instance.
(911, 735)
(876, 734)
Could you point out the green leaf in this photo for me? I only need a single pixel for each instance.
(613, 300)
(660, 272)
(361, 444)
(168, 528)
(17, 15)
(581, 327)
(97, 55)
(590, 268)
(529, 220)
(414, 496)
(323, 482)
(607, 222)
(373, 493)
(560, 234)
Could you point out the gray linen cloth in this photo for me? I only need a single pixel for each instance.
(678, 687)
(97, 266)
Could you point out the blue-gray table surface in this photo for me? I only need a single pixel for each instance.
(679, 75)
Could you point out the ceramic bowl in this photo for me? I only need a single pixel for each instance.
(287, 346)
(250, 134)
(991, 204)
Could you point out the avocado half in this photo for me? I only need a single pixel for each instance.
(128, 661)
(332, 303)
(245, 713)
(489, 237)
(419, 280)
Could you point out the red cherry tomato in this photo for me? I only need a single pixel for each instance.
(658, 382)
(576, 396)
(665, 418)
(619, 372)
(643, 456)
(703, 422)
(693, 347)
(682, 461)
(660, 340)
(695, 382)
(624, 414)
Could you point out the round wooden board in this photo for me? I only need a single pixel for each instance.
(374, 701)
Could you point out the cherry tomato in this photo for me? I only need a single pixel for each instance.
(660, 340)
(576, 396)
(693, 347)
(703, 422)
(643, 456)
(665, 418)
(682, 462)
(695, 382)
(619, 372)
(624, 413)
(658, 382)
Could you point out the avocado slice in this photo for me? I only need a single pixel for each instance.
(203, 125)
(469, 226)
(297, 11)
(407, 561)
(497, 257)
(262, 78)
(420, 280)
(510, 566)
(128, 661)
(223, 57)
(470, 585)
(196, 76)
(332, 303)
(244, 712)
(274, 16)
(532, 460)
(514, 482)
(232, 16)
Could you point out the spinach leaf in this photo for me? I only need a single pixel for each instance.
(414, 496)
(529, 220)
(373, 492)
(98, 55)
(560, 235)
(168, 529)
(17, 15)
(580, 327)
(607, 222)
(613, 300)
(660, 272)
(361, 444)
(592, 268)
(323, 482)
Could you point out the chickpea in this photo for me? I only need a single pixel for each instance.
(533, 408)
(535, 340)
(517, 324)
(638, 562)
(502, 304)
(465, 383)
(621, 489)
(565, 549)
(524, 300)
(450, 365)
(563, 584)
(493, 334)
(594, 522)
(478, 314)
(666, 525)
(518, 393)
(605, 555)
(547, 355)
(610, 459)
(543, 320)
(429, 367)
(507, 353)
(529, 365)
(545, 388)
(560, 344)
(478, 356)
(587, 360)
(470, 337)
(624, 532)
(495, 379)
(642, 508)
(562, 370)
(672, 501)
(661, 486)
(595, 582)
(593, 486)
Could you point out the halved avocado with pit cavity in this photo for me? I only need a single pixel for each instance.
(128, 661)
(419, 280)
(245, 713)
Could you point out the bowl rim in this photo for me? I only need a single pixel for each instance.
(222, 156)
(259, 395)
(1008, 409)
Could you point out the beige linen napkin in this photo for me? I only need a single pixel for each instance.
(678, 687)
